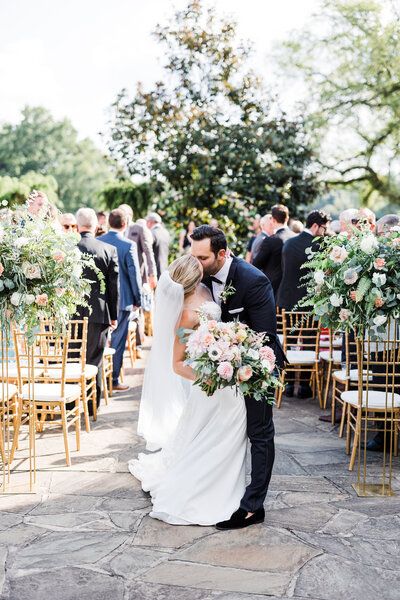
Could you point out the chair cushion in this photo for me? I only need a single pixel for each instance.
(51, 392)
(13, 371)
(109, 351)
(376, 400)
(340, 375)
(9, 391)
(73, 371)
(301, 357)
(336, 355)
(353, 375)
(132, 326)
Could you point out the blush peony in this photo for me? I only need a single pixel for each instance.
(379, 263)
(338, 254)
(42, 299)
(225, 370)
(31, 271)
(244, 373)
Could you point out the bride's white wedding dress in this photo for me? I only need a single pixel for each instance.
(199, 475)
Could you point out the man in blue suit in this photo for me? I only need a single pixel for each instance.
(130, 285)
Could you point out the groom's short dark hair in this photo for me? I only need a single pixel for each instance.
(214, 234)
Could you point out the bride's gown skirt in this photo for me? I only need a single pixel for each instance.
(199, 477)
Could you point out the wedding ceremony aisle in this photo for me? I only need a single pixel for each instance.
(86, 532)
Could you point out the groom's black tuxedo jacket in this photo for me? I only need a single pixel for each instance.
(252, 303)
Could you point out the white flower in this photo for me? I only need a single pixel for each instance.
(29, 298)
(379, 279)
(1, 233)
(379, 320)
(336, 300)
(252, 353)
(319, 277)
(77, 253)
(31, 271)
(16, 299)
(4, 202)
(77, 270)
(395, 228)
(21, 241)
(368, 244)
(350, 276)
(214, 353)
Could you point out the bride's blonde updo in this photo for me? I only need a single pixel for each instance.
(187, 271)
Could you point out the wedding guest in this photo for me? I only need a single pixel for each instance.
(161, 241)
(68, 222)
(267, 229)
(269, 256)
(291, 289)
(296, 226)
(348, 219)
(185, 240)
(102, 219)
(101, 230)
(385, 223)
(256, 227)
(103, 303)
(37, 201)
(334, 226)
(130, 284)
(367, 216)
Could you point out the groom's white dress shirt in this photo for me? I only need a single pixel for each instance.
(222, 275)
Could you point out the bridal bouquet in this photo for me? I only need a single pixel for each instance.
(40, 272)
(230, 355)
(355, 282)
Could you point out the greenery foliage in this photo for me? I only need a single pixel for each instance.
(207, 131)
(15, 190)
(138, 196)
(39, 144)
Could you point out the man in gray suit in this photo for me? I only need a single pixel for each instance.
(161, 241)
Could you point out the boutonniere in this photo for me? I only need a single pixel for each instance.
(228, 290)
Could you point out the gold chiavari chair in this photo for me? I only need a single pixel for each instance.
(301, 345)
(148, 322)
(107, 372)
(131, 342)
(345, 379)
(377, 397)
(329, 359)
(49, 391)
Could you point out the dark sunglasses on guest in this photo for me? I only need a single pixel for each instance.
(69, 226)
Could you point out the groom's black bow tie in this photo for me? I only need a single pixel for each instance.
(212, 278)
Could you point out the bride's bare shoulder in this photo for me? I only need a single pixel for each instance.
(189, 318)
(204, 293)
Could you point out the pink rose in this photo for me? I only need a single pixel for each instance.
(343, 314)
(338, 254)
(268, 354)
(208, 339)
(379, 263)
(225, 370)
(59, 256)
(212, 325)
(353, 295)
(41, 299)
(379, 302)
(244, 373)
(60, 291)
(1, 269)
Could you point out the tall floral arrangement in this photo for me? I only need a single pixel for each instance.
(355, 283)
(40, 272)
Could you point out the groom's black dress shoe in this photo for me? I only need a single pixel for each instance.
(238, 519)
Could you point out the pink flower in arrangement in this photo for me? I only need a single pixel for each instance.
(208, 339)
(42, 299)
(225, 370)
(353, 295)
(244, 373)
(212, 325)
(379, 302)
(396, 241)
(379, 263)
(242, 326)
(343, 314)
(268, 354)
(1, 269)
(60, 291)
(59, 256)
(338, 254)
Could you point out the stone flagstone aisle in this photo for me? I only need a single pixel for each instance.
(86, 533)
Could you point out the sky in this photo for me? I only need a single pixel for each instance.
(73, 57)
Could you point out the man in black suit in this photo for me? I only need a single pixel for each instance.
(252, 303)
(292, 289)
(269, 257)
(104, 304)
(161, 241)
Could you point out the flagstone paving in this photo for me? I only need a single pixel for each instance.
(86, 533)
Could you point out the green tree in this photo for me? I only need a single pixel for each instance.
(139, 197)
(206, 131)
(15, 190)
(349, 59)
(40, 144)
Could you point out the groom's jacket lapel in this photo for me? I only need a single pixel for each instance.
(231, 301)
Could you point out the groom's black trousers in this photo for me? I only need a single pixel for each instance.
(260, 431)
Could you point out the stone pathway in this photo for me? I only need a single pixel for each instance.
(86, 533)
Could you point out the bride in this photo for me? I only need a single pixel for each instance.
(198, 477)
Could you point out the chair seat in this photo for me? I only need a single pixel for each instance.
(9, 391)
(109, 351)
(132, 326)
(301, 357)
(51, 392)
(353, 375)
(336, 343)
(73, 372)
(376, 400)
(13, 371)
(336, 356)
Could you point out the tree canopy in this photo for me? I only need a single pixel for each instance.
(207, 130)
(349, 59)
(40, 144)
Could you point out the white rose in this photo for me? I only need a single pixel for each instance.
(252, 353)
(31, 271)
(368, 244)
(16, 298)
(319, 277)
(379, 279)
(379, 320)
(336, 300)
(29, 298)
(77, 270)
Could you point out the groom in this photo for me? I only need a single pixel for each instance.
(246, 295)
